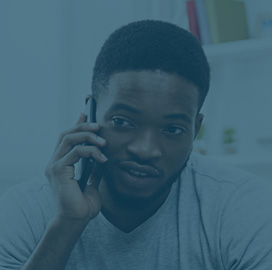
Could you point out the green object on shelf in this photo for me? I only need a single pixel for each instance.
(227, 20)
(228, 136)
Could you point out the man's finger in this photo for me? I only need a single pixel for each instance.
(94, 179)
(69, 141)
(82, 151)
(80, 127)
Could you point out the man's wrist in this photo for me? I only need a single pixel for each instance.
(69, 223)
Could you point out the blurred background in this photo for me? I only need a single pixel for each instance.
(48, 49)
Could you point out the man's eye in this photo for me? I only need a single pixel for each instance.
(173, 130)
(120, 122)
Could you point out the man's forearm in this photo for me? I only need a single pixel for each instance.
(56, 245)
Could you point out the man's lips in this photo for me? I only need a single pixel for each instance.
(138, 170)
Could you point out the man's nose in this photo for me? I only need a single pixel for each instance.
(145, 145)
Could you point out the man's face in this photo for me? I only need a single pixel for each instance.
(149, 120)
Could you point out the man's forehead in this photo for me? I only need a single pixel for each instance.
(150, 88)
(147, 81)
(145, 74)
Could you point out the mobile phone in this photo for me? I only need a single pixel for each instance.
(86, 165)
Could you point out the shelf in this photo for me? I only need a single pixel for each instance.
(238, 48)
(260, 165)
(241, 160)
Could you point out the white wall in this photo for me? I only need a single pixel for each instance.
(92, 22)
(47, 52)
(29, 83)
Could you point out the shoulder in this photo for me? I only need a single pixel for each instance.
(235, 209)
(30, 198)
(29, 190)
(209, 169)
(25, 211)
(222, 187)
(207, 172)
(34, 184)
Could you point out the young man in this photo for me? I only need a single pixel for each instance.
(149, 203)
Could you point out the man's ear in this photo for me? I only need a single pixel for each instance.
(198, 123)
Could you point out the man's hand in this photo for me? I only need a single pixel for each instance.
(72, 204)
(74, 208)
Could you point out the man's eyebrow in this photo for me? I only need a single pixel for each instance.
(178, 116)
(123, 107)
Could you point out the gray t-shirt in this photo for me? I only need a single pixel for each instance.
(214, 218)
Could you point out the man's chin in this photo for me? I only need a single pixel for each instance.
(137, 201)
(132, 201)
(140, 201)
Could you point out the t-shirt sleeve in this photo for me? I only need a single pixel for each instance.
(22, 223)
(246, 230)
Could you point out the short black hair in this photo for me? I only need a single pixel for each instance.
(152, 45)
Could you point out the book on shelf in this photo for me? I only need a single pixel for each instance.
(227, 20)
(203, 23)
(217, 21)
(192, 17)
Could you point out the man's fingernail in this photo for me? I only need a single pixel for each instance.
(89, 183)
(101, 140)
(104, 158)
(93, 125)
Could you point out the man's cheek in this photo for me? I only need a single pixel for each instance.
(117, 142)
(114, 149)
(177, 161)
(112, 140)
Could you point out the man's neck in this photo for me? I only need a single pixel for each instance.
(125, 217)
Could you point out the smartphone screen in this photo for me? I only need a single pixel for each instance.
(84, 167)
